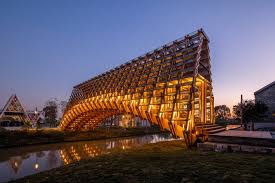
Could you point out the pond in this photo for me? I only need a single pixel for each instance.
(19, 162)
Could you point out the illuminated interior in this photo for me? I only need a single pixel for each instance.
(170, 86)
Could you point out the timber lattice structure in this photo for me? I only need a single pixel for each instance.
(170, 86)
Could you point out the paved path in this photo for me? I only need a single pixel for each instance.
(251, 134)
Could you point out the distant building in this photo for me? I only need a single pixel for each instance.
(267, 95)
(36, 117)
(129, 121)
(13, 114)
(61, 109)
(126, 121)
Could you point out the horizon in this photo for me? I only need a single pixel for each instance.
(44, 55)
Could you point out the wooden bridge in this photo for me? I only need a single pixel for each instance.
(170, 86)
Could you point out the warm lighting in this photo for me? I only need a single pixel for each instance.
(36, 166)
(162, 89)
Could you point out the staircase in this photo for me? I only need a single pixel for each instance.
(208, 129)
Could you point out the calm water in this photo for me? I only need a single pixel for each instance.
(20, 162)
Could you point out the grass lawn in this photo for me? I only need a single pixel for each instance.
(164, 162)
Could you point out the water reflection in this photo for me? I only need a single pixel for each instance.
(20, 162)
(79, 151)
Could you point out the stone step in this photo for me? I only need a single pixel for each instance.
(211, 128)
(205, 125)
(216, 130)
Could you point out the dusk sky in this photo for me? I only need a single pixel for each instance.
(47, 47)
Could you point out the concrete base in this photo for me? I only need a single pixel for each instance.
(250, 138)
(222, 147)
(249, 134)
(240, 141)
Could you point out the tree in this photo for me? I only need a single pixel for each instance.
(50, 111)
(222, 112)
(251, 111)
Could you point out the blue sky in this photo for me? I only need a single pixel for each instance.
(47, 47)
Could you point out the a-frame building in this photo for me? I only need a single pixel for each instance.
(13, 113)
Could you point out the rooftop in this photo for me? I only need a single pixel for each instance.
(264, 88)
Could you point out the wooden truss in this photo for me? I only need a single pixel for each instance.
(14, 110)
(170, 86)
